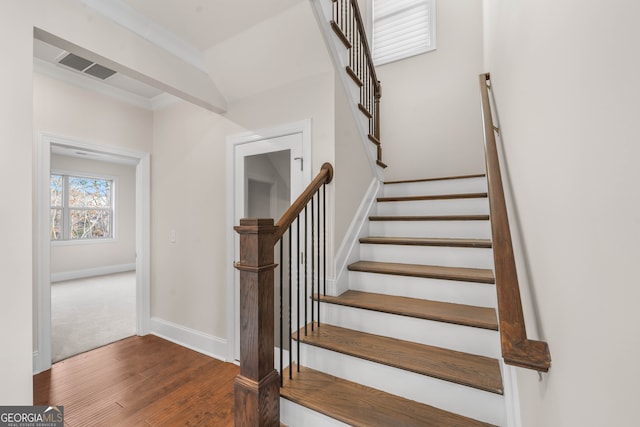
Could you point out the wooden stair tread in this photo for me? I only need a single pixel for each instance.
(341, 35)
(462, 368)
(430, 218)
(359, 405)
(433, 197)
(427, 241)
(407, 181)
(460, 314)
(479, 275)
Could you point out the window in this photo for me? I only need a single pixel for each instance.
(402, 28)
(81, 207)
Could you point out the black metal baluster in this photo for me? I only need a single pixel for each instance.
(298, 289)
(318, 300)
(324, 239)
(281, 321)
(289, 322)
(306, 295)
(313, 259)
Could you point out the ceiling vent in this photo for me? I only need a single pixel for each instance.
(85, 66)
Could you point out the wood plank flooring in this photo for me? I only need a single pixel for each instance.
(140, 381)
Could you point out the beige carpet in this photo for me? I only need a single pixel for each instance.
(89, 313)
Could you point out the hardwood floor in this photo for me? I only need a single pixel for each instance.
(140, 381)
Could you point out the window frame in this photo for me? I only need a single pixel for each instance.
(432, 5)
(66, 208)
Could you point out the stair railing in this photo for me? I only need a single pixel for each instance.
(347, 23)
(300, 231)
(517, 349)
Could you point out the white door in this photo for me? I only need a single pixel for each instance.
(269, 176)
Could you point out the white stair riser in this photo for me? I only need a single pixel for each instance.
(473, 206)
(446, 229)
(478, 294)
(448, 186)
(429, 255)
(294, 415)
(468, 339)
(463, 400)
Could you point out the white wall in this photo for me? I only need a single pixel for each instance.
(188, 277)
(301, 99)
(284, 48)
(566, 84)
(430, 123)
(353, 175)
(66, 258)
(66, 110)
(188, 194)
(16, 169)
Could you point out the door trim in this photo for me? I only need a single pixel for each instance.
(233, 141)
(42, 358)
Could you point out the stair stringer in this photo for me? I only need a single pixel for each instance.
(349, 250)
(511, 395)
(339, 54)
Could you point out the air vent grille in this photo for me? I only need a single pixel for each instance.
(85, 66)
(99, 71)
(76, 62)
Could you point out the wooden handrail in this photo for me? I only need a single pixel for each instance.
(365, 43)
(517, 349)
(349, 26)
(325, 176)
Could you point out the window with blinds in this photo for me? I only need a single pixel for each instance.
(402, 28)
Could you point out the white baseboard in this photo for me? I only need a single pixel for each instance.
(347, 252)
(511, 394)
(91, 272)
(190, 338)
(36, 368)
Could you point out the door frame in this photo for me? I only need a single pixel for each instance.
(42, 358)
(233, 142)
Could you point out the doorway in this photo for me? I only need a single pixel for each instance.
(141, 162)
(270, 169)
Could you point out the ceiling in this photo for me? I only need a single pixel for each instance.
(202, 27)
(205, 23)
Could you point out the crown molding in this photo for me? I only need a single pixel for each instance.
(129, 18)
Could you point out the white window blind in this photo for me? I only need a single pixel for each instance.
(402, 28)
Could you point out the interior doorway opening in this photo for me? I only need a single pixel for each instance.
(140, 264)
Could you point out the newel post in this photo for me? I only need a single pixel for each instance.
(257, 387)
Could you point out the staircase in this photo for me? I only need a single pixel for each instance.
(414, 340)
